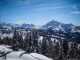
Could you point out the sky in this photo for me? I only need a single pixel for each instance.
(39, 12)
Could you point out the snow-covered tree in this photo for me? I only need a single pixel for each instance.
(73, 50)
(65, 47)
(15, 40)
(44, 46)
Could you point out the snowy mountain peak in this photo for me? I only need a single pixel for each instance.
(53, 25)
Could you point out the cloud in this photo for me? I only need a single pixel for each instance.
(75, 12)
(75, 8)
(26, 2)
(54, 7)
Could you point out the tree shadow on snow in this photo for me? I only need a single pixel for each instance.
(3, 54)
(9, 47)
(23, 53)
(30, 55)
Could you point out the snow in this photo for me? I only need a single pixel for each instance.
(38, 26)
(59, 28)
(55, 36)
(23, 36)
(40, 39)
(75, 29)
(4, 48)
(6, 35)
(24, 55)
(78, 46)
(40, 57)
(54, 39)
(21, 55)
(49, 26)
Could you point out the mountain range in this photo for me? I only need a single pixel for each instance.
(53, 27)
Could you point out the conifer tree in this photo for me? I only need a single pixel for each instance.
(65, 47)
(27, 42)
(15, 39)
(43, 46)
(0, 40)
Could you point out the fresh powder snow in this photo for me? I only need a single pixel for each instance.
(20, 55)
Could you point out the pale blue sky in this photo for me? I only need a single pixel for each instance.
(40, 12)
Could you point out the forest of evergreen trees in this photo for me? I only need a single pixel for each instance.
(62, 50)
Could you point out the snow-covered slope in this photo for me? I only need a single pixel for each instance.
(28, 26)
(11, 25)
(4, 48)
(51, 24)
(59, 26)
(38, 26)
(56, 25)
(75, 29)
(21, 55)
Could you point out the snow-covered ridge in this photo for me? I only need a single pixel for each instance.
(54, 25)
(59, 26)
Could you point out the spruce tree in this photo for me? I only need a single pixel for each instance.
(43, 46)
(65, 47)
(15, 39)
